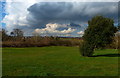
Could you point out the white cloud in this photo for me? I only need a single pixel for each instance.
(80, 33)
(52, 29)
(16, 13)
(54, 26)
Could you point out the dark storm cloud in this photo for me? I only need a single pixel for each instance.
(43, 13)
(62, 28)
(74, 15)
(74, 25)
(55, 12)
(48, 11)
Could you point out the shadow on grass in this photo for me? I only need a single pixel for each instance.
(107, 55)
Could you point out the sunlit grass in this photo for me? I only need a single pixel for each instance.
(58, 61)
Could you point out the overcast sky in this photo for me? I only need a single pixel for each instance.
(54, 18)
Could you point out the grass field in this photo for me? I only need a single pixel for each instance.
(58, 61)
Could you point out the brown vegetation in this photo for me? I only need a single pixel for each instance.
(37, 41)
(116, 42)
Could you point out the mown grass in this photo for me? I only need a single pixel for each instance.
(58, 61)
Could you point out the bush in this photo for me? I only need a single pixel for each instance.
(86, 49)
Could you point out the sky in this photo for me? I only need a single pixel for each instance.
(2, 13)
(54, 18)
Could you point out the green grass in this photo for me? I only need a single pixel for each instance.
(58, 61)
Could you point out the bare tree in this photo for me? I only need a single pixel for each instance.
(3, 34)
(17, 32)
(117, 41)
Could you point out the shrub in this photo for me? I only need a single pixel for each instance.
(86, 49)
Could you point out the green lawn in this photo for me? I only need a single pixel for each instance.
(58, 61)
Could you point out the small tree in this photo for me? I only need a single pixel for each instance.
(99, 33)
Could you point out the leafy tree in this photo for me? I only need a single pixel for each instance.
(17, 32)
(100, 32)
(86, 49)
